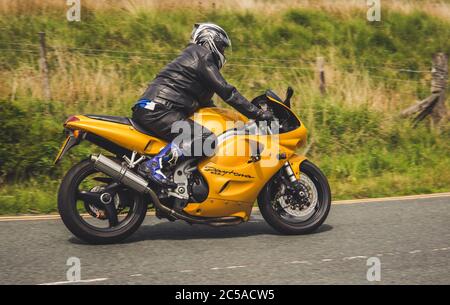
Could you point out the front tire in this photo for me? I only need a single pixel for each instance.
(283, 222)
(76, 220)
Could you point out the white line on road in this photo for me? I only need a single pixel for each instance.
(340, 202)
(75, 282)
(234, 267)
(415, 251)
(299, 262)
(399, 198)
(354, 257)
(318, 261)
(43, 217)
(229, 267)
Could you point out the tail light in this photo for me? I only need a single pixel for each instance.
(72, 118)
(73, 132)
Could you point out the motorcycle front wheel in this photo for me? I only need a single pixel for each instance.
(299, 212)
(81, 204)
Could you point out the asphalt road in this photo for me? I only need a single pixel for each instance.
(410, 237)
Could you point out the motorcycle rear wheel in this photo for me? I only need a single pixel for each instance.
(288, 221)
(79, 216)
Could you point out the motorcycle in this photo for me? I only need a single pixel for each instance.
(103, 199)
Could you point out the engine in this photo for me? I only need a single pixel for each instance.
(198, 188)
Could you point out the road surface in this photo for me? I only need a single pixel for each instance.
(411, 238)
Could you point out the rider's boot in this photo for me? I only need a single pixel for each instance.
(165, 160)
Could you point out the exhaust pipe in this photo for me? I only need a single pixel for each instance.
(120, 173)
(123, 174)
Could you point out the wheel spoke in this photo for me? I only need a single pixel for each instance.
(111, 213)
(103, 179)
(112, 188)
(89, 197)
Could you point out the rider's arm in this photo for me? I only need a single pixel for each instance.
(209, 104)
(212, 77)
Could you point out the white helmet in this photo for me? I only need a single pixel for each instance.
(213, 37)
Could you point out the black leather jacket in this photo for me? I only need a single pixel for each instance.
(190, 81)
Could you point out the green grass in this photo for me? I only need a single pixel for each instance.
(359, 141)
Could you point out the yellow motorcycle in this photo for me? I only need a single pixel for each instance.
(103, 199)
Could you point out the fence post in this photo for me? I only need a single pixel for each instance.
(433, 105)
(439, 74)
(44, 67)
(320, 68)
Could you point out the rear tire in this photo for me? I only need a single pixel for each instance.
(282, 225)
(67, 207)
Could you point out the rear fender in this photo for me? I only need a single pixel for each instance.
(74, 137)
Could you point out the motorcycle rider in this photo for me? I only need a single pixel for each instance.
(184, 85)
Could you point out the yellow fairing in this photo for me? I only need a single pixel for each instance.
(123, 135)
(218, 120)
(235, 180)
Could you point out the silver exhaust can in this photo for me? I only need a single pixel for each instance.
(120, 173)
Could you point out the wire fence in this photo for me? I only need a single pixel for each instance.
(156, 56)
(153, 52)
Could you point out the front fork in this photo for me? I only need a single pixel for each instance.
(292, 171)
(289, 172)
(295, 184)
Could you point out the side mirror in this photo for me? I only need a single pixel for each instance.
(289, 94)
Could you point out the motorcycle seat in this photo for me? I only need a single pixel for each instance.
(120, 120)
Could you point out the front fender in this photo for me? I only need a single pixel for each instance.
(295, 161)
